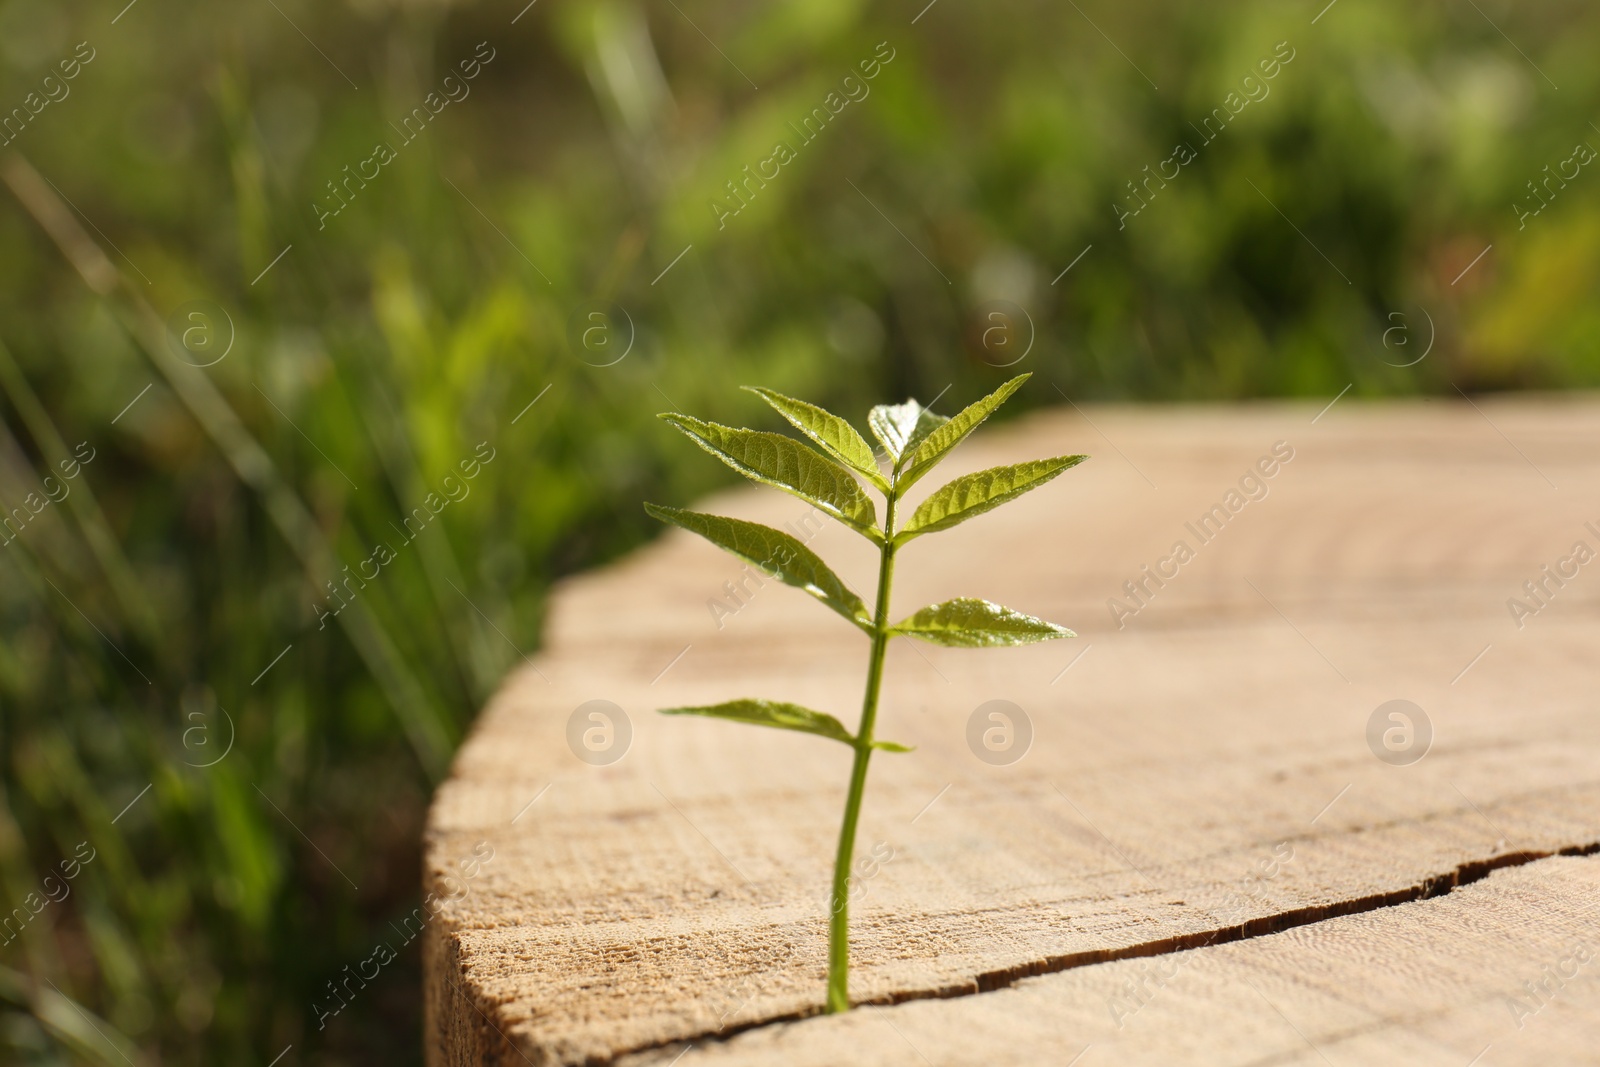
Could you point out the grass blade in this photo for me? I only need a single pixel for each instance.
(133, 602)
(427, 726)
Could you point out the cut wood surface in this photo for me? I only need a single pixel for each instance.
(1500, 971)
(1199, 774)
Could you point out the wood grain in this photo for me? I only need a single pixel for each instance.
(1500, 972)
(1201, 772)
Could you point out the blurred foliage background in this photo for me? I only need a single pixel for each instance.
(172, 694)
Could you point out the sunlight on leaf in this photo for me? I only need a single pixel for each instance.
(772, 713)
(900, 427)
(786, 464)
(776, 553)
(909, 433)
(955, 430)
(927, 423)
(832, 434)
(967, 622)
(973, 494)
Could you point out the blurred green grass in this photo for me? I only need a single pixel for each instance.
(140, 612)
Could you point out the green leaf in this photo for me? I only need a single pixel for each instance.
(890, 746)
(973, 494)
(832, 434)
(901, 427)
(786, 464)
(927, 422)
(772, 713)
(938, 444)
(777, 554)
(966, 622)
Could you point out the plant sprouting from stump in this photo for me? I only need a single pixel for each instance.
(826, 471)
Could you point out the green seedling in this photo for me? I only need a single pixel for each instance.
(825, 473)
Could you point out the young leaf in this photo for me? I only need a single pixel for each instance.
(772, 713)
(966, 622)
(901, 427)
(955, 430)
(927, 422)
(832, 434)
(776, 553)
(973, 494)
(915, 440)
(786, 464)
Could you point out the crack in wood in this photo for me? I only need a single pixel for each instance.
(989, 981)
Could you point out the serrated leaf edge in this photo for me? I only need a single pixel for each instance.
(917, 466)
(677, 420)
(911, 531)
(900, 629)
(709, 711)
(860, 616)
(871, 473)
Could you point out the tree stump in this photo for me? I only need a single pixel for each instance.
(1200, 833)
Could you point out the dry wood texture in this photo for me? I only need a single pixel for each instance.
(1201, 774)
(1502, 971)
